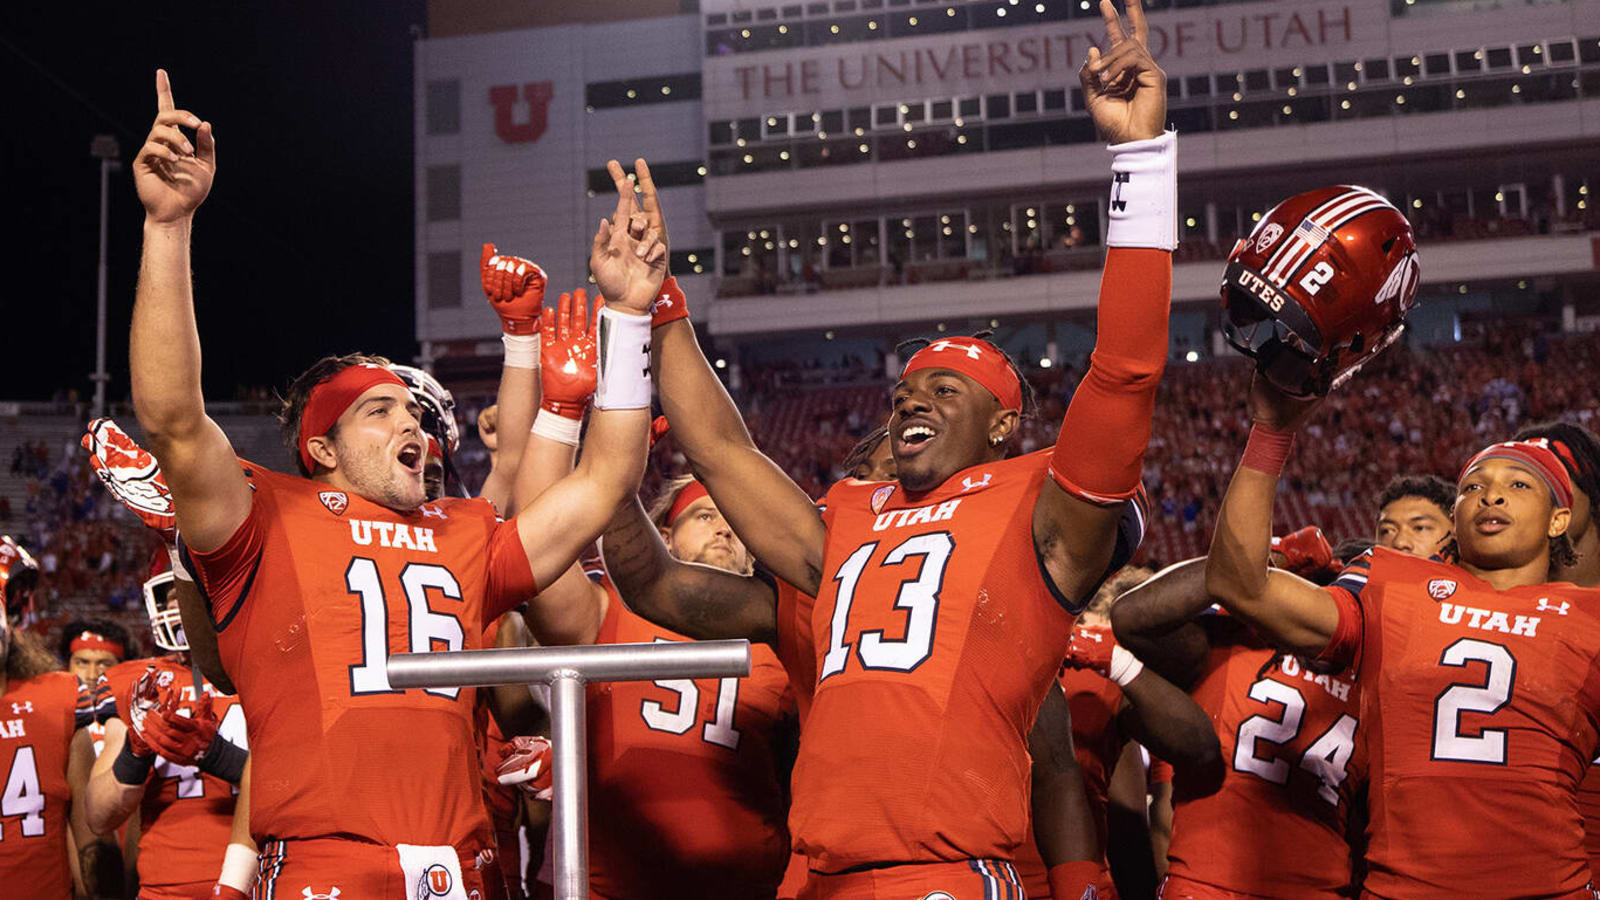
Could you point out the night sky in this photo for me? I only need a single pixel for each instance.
(305, 244)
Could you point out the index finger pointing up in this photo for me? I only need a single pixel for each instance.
(1114, 33)
(163, 91)
(624, 191)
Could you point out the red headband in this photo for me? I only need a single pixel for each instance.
(332, 396)
(691, 492)
(975, 358)
(91, 641)
(433, 448)
(1536, 455)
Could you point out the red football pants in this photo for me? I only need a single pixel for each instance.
(290, 870)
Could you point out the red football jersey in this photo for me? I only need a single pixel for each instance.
(36, 726)
(186, 816)
(500, 800)
(684, 792)
(1097, 743)
(795, 652)
(310, 596)
(1276, 828)
(1479, 708)
(935, 636)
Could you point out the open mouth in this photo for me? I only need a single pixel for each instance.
(913, 437)
(410, 456)
(1491, 523)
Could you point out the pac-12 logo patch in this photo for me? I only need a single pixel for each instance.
(937, 895)
(436, 882)
(1269, 236)
(336, 501)
(1441, 588)
(881, 496)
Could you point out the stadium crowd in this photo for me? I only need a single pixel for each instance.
(961, 684)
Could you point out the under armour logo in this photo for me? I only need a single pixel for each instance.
(968, 484)
(307, 894)
(1117, 181)
(433, 512)
(1544, 606)
(662, 302)
(972, 350)
(18, 709)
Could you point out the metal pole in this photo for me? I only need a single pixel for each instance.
(570, 774)
(105, 149)
(567, 670)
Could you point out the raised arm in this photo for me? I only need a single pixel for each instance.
(515, 288)
(1290, 612)
(1156, 622)
(768, 511)
(701, 602)
(563, 520)
(173, 177)
(1100, 449)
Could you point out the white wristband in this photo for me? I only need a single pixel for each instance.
(1125, 667)
(522, 350)
(623, 377)
(1144, 193)
(238, 868)
(557, 427)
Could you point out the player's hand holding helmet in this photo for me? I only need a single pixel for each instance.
(132, 476)
(525, 763)
(1123, 88)
(1321, 285)
(515, 288)
(173, 175)
(567, 357)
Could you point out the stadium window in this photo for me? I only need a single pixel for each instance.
(997, 106)
(638, 91)
(1026, 103)
(791, 12)
(720, 133)
(915, 111)
(1498, 57)
(1175, 89)
(859, 118)
(1197, 86)
(1375, 70)
(952, 234)
(775, 126)
(443, 111)
(444, 280)
(691, 262)
(1560, 52)
(664, 174)
(942, 110)
(747, 129)
(1589, 50)
(741, 16)
(1407, 66)
(444, 193)
(968, 108)
(886, 115)
(1055, 99)
(1316, 74)
(816, 9)
(1345, 72)
(833, 121)
(716, 19)
(1076, 95)
(1436, 64)
(1529, 55)
(766, 15)
(1468, 61)
(1286, 77)
(1257, 80)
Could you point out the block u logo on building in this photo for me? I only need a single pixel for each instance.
(536, 95)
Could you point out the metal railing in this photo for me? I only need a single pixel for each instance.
(566, 670)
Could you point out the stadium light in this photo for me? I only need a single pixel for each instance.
(722, 363)
(1192, 356)
(1045, 363)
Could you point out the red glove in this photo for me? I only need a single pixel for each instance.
(181, 738)
(143, 701)
(515, 288)
(132, 476)
(670, 305)
(1306, 552)
(1094, 649)
(567, 356)
(659, 426)
(525, 762)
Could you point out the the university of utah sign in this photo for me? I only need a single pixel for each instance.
(504, 99)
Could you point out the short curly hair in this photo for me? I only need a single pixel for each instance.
(1431, 488)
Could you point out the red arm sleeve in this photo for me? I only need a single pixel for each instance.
(1344, 648)
(224, 575)
(510, 576)
(1100, 451)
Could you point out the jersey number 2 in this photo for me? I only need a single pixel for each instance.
(1489, 744)
(919, 598)
(427, 629)
(22, 796)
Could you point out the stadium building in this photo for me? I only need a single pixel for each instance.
(840, 175)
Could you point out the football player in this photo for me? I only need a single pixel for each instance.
(686, 787)
(19, 576)
(44, 762)
(311, 581)
(1476, 679)
(1414, 515)
(90, 648)
(172, 755)
(948, 598)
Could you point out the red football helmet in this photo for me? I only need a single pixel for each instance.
(19, 575)
(1320, 286)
